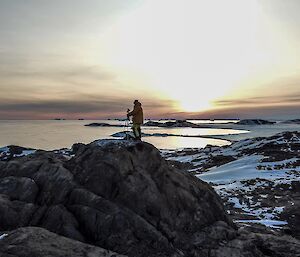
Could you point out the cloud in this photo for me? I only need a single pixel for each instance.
(111, 107)
(51, 83)
(269, 112)
(91, 106)
(90, 72)
(254, 101)
(67, 106)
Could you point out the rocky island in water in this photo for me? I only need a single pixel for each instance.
(127, 198)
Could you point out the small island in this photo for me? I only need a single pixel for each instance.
(255, 122)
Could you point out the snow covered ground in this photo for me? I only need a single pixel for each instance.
(255, 177)
(14, 151)
(246, 168)
(3, 235)
(254, 130)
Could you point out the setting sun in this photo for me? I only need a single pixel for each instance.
(193, 53)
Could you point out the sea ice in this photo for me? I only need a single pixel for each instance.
(3, 235)
(266, 222)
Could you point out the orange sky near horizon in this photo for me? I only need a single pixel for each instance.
(194, 58)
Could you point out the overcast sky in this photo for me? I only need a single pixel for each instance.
(181, 58)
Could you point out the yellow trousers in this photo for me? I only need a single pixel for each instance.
(136, 128)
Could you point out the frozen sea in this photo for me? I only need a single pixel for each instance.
(56, 134)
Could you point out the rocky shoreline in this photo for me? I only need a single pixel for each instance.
(123, 198)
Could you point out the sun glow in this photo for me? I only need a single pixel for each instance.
(190, 51)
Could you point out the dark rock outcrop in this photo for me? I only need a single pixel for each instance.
(38, 242)
(218, 160)
(99, 124)
(115, 194)
(19, 188)
(172, 124)
(255, 122)
(123, 134)
(170, 206)
(291, 212)
(257, 245)
(282, 146)
(295, 121)
(119, 195)
(151, 123)
(11, 151)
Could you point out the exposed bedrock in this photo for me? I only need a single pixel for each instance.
(39, 242)
(120, 196)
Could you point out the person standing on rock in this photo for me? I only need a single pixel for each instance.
(137, 119)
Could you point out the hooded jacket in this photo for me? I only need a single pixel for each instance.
(137, 113)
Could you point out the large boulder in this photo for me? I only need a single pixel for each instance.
(38, 242)
(136, 177)
(116, 194)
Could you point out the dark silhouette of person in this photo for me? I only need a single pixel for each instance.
(137, 119)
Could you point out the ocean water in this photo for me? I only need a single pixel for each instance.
(56, 134)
